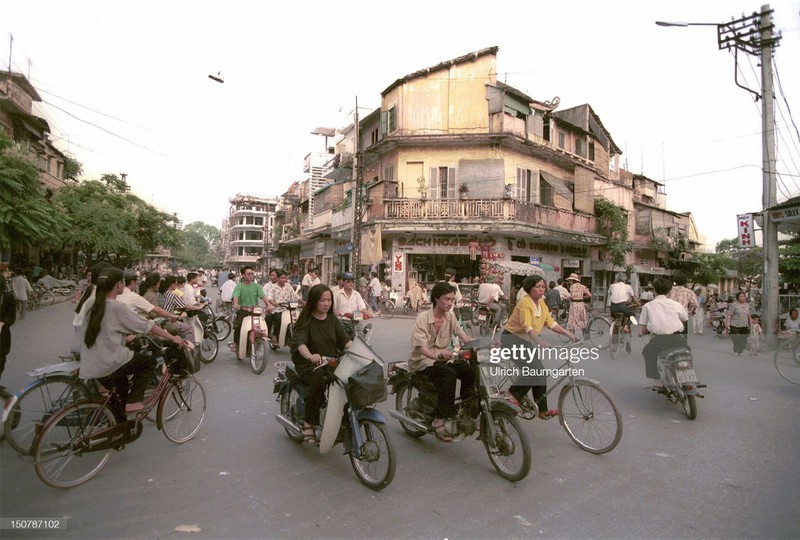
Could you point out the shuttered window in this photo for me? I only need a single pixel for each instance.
(443, 182)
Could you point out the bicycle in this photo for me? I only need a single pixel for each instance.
(585, 410)
(385, 307)
(40, 297)
(598, 330)
(76, 442)
(54, 387)
(619, 338)
(787, 359)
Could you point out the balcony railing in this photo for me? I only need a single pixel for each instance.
(487, 209)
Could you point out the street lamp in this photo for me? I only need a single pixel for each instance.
(753, 35)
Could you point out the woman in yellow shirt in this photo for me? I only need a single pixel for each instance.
(530, 316)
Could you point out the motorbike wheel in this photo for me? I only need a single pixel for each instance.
(406, 401)
(209, 347)
(512, 454)
(689, 404)
(289, 410)
(46, 299)
(588, 415)
(258, 356)
(599, 331)
(387, 311)
(374, 463)
(222, 328)
(36, 405)
(616, 340)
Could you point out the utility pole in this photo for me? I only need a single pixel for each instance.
(358, 203)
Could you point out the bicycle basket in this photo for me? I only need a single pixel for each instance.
(182, 361)
(366, 386)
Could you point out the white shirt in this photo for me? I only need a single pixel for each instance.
(620, 292)
(137, 303)
(520, 294)
(375, 287)
(348, 304)
(663, 316)
(309, 281)
(267, 286)
(489, 292)
(563, 292)
(226, 292)
(792, 324)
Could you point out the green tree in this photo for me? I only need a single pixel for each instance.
(612, 223)
(106, 222)
(26, 216)
(198, 240)
(789, 263)
(705, 268)
(748, 262)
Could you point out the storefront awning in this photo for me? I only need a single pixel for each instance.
(558, 185)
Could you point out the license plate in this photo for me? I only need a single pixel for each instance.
(481, 317)
(686, 376)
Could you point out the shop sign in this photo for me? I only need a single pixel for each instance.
(571, 263)
(745, 226)
(442, 240)
(545, 247)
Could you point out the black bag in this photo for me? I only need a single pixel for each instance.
(366, 386)
(183, 361)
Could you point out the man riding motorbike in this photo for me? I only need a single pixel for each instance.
(664, 318)
(246, 294)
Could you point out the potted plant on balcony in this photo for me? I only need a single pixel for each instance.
(422, 187)
(463, 191)
(508, 191)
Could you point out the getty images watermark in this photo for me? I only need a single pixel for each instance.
(516, 361)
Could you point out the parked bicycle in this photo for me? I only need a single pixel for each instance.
(787, 358)
(76, 442)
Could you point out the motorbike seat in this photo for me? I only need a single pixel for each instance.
(675, 354)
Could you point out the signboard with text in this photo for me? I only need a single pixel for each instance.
(745, 226)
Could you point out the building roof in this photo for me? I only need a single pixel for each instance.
(446, 64)
(568, 116)
(22, 82)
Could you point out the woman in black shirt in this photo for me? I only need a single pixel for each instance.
(317, 333)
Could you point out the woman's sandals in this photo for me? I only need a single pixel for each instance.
(309, 437)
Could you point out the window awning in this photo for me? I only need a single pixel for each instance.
(559, 185)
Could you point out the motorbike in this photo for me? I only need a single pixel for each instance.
(219, 324)
(348, 417)
(486, 413)
(62, 287)
(283, 335)
(718, 322)
(354, 326)
(483, 317)
(679, 383)
(253, 339)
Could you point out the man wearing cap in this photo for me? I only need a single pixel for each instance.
(490, 293)
(347, 299)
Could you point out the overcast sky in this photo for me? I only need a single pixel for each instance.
(126, 89)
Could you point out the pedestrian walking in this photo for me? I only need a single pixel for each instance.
(8, 314)
(699, 317)
(738, 321)
(21, 288)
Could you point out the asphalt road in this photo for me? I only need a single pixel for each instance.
(730, 473)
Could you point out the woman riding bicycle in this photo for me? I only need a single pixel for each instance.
(104, 355)
(530, 316)
(317, 334)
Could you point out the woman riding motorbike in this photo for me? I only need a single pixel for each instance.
(317, 333)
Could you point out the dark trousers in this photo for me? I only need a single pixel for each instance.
(739, 337)
(237, 324)
(5, 346)
(657, 344)
(625, 309)
(539, 387)
(444, 378)
(141, 368)
(274, 323)
(314, 379)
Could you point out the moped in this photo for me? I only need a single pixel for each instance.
(253, 339)
(283, 335)
(349, 418)
(492, 417)
(679, 383)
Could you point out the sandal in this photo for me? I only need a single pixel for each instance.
(309, 437)
(547, 415)
(440, 431)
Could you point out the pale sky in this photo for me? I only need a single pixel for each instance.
(139, 73)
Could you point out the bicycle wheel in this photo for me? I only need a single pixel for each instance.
(787, 360)
(182, 410)
(36, 405)
(588, 415)
(374, 463)
(616, 338)
(63, 455)
(512, 455)
(222, 328)
(407, 401)
(387, 311)
(209, 347)
(599, 331)
(46, 299)
(258, 356)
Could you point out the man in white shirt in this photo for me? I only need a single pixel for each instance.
(145, 309)
(620, 294)
(375, 291)
(793, 321)
(309, 280)
(279, 293)
(489, 293)
(347, 299)
(664, 319)
(273, 279)
(563, 291)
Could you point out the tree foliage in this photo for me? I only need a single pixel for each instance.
(705, 268)
(612, 223)
(789, 262)
(106, 222)
(748, 262)
(26, 216)
(198, 242)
